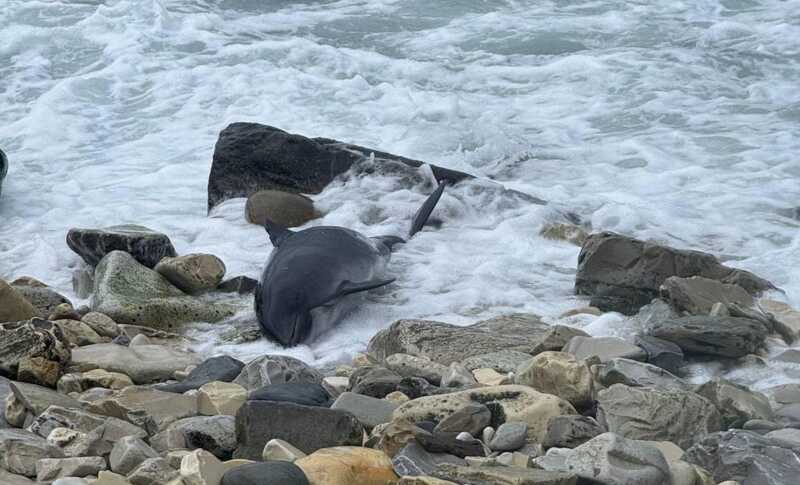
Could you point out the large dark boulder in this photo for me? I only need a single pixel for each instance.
(250, 157)
(221, 368)
(309, 428)
(146, 246)
(303, 393)
(623, 274)
(722, 336)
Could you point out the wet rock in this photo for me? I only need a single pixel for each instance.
(472, 418)
(346, 465)
(639, 374)
(661, 353)
(64, 311)
(78, 333)
(560, 374)
(238, 284)
(48, 469)
(303, 393)
(457, 444)
(276, 369)
(13, 306)
(192, 273)
(249, 157)
(737, 404)
(412, 366)
(20, 450)
(43, 299)
(150, 409)
(713, 335)
(374, 381)
(507, 403)
(36, 399)
(102, 324)
(143, 363)
(215, 434)
(147, 246)
(503, 475)
(746, 457)
(30, 339)
(152, 470)
(271, 472)
(642, 413)
(306, 427)
(83, 282)
(785, 318)
(570, 431)
(791, 356)
(458, 376)
(130, 293)
(697, 295)
(128, 453)
(335, 385)
(282, 451)
(414, 460)
(221, 398)
(221, 368)
(368, 410)
(502, 361)
(606, 348)
(510, 436)
(284, 208)
(564, 232)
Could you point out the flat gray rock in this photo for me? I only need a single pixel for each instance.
(571, 431)
(509, 436)
(368, 410)
(413, 460)
(144, 244)
(606, 348)
(737, 404)
(143, 363)
(697, 295)
(721, 336)
(20, 450)
(639, 374)
(128, 453)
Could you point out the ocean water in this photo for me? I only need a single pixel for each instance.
(677, 122)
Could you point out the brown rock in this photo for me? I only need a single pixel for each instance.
(289, 210)
(13, 306)
(348, 465)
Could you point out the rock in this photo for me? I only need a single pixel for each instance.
(503, 475)
(215, 434)
(13, 306)
(83, 282)
(507, 403)
(78, 333)
(145, 245)
(347, 465)
(490, 377)
(150, 409)
(785, 318)
(276, 369)
(560, 374)
(606, 348)
(192, 273)
(414, 460)
(268, 472)
(217, 398)
(502, 361)
(139, 340)
(128, 453)
(5, 391)
(623, 274)
(412, 366)
(152, 470)
(713, 335)
(143, 364)
(472, 418)
(302, 393)
(570, 431)
(242, 285)
(7, 478)
(102, 324)
(745, 456)
(375, 381)
(335, 385)
(788, 415)
(202, 468)
(791, 356)
(638, 374)
(36, 399)
(30, 339)
(306, 427)
(760, 426)
(130, 293)
(564, 232)
(48, 469)
(168, 440)
(284, 208)
(110, 478)
(737, 404)
(38, 370)
(368, 410)
(661, 353)
(79, 420)
(613, 460)
(785, 393)
(222, 368)
(458, 376)
(445, 344)
(510, 436)
(20, 450)
(458, 444)
(64, 311)
(43, 299)
(696, 295)
(250, 157)
(642, 413)
(81, 381)
(280, 450)
(424, 481)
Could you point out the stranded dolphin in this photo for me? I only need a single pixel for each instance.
(310, 273)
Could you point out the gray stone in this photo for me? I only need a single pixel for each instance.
(102, 324)
(145, 245)
(368, 410)
(13, 306)
(785, 393)
(606, 348)
(376, 381)
(128, 453)
(639, 374)
(29, 339)
(412, 366)
(790, 356)
(697, 295)
(97, 442)
(788, 415)
(445, 344)
(36, 399)
(20, 450)
(657, 414)
(78, 333)
(713, 335)
(746, 457)
(286, 209)
(7, 478)
(151, 471)
(472, 418)
(192, 273)
(5, 391)
(458, 376)
(44, 299)
(737, 404)
(503, 361)
(558, 373)
(215, 434)
(143, 364)
(661, 353)
(48, 469)
(130, 293)
(571, 431)
(413, 460)
(623, 274)
(222, 368)
(147, 408)
(760, 426)
(502, 475)
(309, 428)
(79, 420)
(242, 285)
(509, 436)
(168, 440)
(276, 369)
(788, 437)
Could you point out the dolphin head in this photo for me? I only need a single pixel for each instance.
(284, 316)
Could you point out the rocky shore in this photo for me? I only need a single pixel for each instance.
(111, 394)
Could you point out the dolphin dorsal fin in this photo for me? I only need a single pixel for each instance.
(277, 233)
(421, 217)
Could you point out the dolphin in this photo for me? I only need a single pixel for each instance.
(304, 289)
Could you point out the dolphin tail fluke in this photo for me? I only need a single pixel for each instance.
(277, 233)
(424, 212)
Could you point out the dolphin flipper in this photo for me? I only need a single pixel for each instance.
(424, 212)
(349, 287)
(277, 233)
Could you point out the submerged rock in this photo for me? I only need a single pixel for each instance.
(146, 246)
